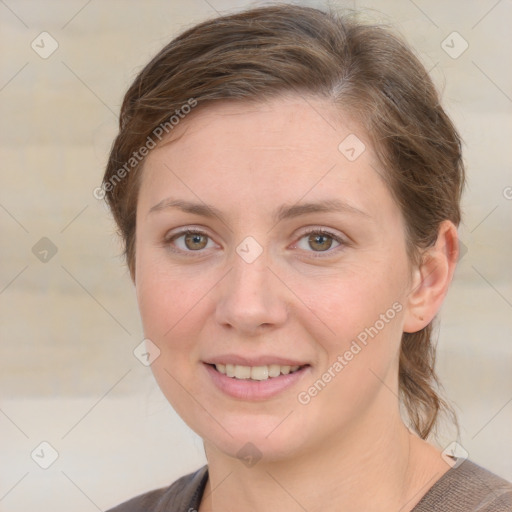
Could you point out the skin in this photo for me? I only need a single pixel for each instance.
(347, 449)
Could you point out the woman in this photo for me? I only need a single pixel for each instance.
(288, 189)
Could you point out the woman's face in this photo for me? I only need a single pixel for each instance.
(264, 284)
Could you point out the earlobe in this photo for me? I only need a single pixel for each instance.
(432, 279)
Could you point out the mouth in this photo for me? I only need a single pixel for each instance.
(256, 373)
(255, 383)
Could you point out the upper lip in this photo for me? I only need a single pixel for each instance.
(263, 360)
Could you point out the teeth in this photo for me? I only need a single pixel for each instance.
(255, 372)
(230, 370)
(242, 372)
(274, 370)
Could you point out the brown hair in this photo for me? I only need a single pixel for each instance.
(367, 71)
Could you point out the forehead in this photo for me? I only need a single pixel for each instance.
(282, 124)
(257, 153)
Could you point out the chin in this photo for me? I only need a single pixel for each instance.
(252, 438)
(251, 448)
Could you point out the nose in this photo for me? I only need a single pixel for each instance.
(251, 298)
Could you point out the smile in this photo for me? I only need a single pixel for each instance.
(255, 372)
(258, 382)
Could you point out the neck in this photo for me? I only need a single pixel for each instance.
(366, 468)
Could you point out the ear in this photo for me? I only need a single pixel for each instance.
(431, 279)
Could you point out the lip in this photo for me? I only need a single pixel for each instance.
(255, 390)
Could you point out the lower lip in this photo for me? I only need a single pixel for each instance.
(247, 389)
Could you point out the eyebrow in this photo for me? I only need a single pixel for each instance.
(282, 213)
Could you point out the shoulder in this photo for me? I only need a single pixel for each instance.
(468, 487)
(183, 494)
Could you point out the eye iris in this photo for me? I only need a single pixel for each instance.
(195, 238)
(320, 239)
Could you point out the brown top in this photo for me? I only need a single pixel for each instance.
(466, 487)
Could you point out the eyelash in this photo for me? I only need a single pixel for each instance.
(316, 254)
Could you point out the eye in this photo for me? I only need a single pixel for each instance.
(319, 240)
(190, 240)
(194, 240)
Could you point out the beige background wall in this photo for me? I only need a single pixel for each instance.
(69, 324)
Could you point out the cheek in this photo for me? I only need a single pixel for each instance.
(356, 317)
(169, 305)
(165, 294)
(360, 336)
(346, 302)
(174, 306)
(154, 299)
